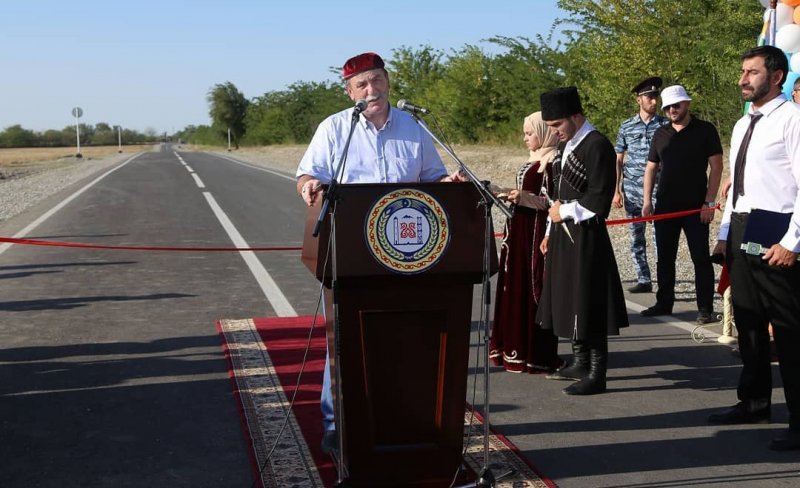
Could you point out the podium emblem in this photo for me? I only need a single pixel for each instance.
(407, 231)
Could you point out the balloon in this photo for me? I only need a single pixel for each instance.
(796, 16)
(788, 38)
(764, 3)
(784, 15)
(794, 63)
(791, 3)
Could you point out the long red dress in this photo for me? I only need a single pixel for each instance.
(517, 342)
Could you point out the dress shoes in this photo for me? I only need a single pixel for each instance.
(706, 317)
(330, 442)
(656, 310)
(739, 414)
(641, 288)
(787, 440)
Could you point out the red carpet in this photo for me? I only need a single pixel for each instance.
(265, 356)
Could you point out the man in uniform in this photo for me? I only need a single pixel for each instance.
(634, 139)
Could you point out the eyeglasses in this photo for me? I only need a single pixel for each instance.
(675, 106)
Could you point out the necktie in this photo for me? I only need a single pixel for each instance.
(741, 158)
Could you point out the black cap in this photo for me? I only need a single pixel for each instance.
(560, 103)
(650, 85)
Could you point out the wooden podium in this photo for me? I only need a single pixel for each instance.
(404, 324)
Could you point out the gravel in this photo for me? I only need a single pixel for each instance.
(23, 189)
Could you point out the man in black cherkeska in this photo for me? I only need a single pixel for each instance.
(582, 297)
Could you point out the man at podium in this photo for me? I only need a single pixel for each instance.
(387, 146)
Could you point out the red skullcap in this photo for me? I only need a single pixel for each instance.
(359, 64)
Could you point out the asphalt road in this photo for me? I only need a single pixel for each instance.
(112, 375)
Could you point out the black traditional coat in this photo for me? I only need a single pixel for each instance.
(582, 297)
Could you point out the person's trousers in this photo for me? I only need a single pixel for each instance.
(668, 232)
(638, 230)
(763, 295)
(326, 396)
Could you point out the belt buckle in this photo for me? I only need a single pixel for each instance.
(753, 248)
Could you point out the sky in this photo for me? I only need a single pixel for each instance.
(149, 64)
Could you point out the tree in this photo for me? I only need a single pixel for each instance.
(16, 136)
(227, 108)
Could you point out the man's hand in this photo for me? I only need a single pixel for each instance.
(555, 216)
(780, 256)
(720, 247)
(310, 190)
(617, 201)
(543, 245)
(707, 215)
(726, 186)
(456, 176)
(647, 209)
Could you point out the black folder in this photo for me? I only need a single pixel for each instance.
(763, 230)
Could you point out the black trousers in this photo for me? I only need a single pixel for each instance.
(764, 294)
(668, 233)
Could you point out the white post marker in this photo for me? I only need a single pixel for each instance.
(119, 139)
(229, 139)
(77, 112)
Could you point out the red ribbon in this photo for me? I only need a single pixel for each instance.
(39, 242)
(634, 220)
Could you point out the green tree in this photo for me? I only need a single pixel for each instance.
(16, 136)
(227, 108)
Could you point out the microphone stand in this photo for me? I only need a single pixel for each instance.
(331, 195)
(486, 478)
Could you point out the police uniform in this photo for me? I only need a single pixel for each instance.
(634, 138)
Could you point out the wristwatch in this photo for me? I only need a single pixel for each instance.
(711, 204)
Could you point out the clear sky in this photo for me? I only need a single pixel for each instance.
(148, 64)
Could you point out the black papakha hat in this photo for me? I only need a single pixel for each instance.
(560, 103)
(650, 85)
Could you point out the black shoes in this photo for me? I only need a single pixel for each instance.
(330, 443)
(641, 288)
(706, 317)
(739, 414)
(787, 440)
(656, 309)
(578, 369)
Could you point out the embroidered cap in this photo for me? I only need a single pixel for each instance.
(359, 64)
(560, 103)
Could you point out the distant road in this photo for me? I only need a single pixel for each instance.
(111, 370)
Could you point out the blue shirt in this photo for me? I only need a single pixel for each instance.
(634, 137)
(400, 152)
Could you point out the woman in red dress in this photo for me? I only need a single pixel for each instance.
(518, 343)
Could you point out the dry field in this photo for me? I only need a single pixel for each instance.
(32, 156)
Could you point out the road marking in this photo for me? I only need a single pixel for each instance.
(24, 232)
(268, 286)
(189, 168)
(198, 181)
(253, 166)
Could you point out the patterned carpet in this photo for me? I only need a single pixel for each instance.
(265, 356)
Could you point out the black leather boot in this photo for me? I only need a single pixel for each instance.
(578, 368)
(595, 381)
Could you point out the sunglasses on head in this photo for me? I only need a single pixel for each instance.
(676, 106)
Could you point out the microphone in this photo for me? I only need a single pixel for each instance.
(410, 107)
(361, 105)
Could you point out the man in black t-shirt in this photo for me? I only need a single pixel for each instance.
(684, 149)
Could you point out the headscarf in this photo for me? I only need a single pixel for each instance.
(545, 154)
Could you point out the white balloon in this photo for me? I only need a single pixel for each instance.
(788, 38)
(764, 3)
(794, 63)
(784, 15)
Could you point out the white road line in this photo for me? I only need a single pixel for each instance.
(189, 168)
(274, 294)
(253, 166)
(24, 232)
(198, 181)
(670, 320)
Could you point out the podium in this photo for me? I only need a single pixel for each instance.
(408, 256)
